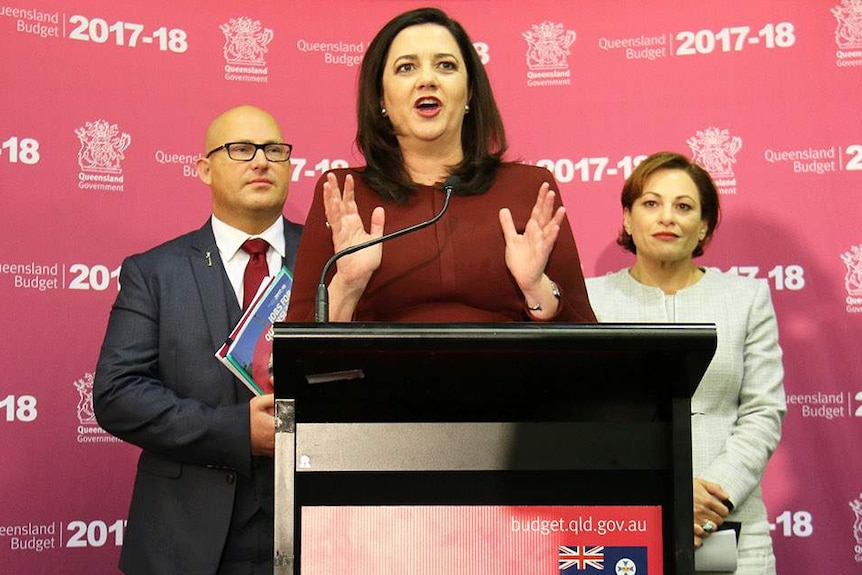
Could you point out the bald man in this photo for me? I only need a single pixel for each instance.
(203, 494)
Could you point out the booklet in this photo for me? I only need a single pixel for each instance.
(247, 352)
(718, 552)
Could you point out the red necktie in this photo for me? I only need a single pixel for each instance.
(256, 269)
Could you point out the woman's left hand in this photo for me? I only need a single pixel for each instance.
(527, 254)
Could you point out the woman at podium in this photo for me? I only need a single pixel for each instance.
(670, 212)
(489, 239)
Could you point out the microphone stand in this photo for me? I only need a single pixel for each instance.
(321, 301)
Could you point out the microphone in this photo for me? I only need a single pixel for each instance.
(321, 302)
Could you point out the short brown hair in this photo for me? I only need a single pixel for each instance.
(634, 188)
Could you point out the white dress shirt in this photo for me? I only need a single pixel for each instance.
(229, 241)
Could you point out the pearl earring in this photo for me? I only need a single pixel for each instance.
(467, 109)
(383, 112)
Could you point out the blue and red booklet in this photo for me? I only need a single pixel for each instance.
(247, 352)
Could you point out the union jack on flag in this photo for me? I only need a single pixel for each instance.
(581, 557)
(574, 559)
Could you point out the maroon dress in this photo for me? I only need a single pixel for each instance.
(451, 271)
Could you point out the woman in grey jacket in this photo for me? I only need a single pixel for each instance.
(670, 211)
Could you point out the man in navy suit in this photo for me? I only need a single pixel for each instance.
(203, 495)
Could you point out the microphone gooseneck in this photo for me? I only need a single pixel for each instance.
(321, 301)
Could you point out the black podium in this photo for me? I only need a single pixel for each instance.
(479, 414)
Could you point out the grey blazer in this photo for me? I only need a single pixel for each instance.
(159, 386)
(738, 407)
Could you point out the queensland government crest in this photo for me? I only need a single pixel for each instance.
(853, 276)
(715, 151)
(848, 32)
(856, 506)
(102, 147)
(84, 409)
(548, 46)
(245, 42)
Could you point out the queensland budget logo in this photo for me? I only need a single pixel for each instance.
(848, 33)
(715, 151)
(547, 54)
(88, 428)
(856, 506)
(853, 278)
(100, 156)
(245, 45)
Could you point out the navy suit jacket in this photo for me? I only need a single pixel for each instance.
(159, 386)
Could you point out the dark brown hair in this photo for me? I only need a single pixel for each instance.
(634, 188)
(483, 138)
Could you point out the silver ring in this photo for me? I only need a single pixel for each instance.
(709, 526)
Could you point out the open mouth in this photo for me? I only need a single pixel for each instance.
(428, 105)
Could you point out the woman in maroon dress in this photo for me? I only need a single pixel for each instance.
(503, 250)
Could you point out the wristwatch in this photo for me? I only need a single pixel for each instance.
(555, 291)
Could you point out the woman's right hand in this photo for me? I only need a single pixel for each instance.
(353, 272)
(709, 508)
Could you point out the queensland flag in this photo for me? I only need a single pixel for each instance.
(593, 558)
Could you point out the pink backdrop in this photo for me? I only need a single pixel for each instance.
(105, 103)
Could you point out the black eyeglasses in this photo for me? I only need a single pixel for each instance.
(246, 151)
